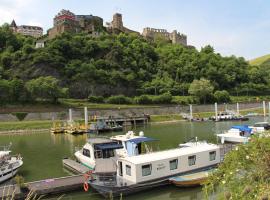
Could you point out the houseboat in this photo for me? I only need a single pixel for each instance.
(97, 149)
(9, 165)
(146, 171)
(237, 134)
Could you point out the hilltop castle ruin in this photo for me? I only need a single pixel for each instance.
(175, 37)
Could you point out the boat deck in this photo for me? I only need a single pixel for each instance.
(75, 166)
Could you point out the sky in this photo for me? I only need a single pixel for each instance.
(232, 27)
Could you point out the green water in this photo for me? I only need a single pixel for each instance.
(43, 152)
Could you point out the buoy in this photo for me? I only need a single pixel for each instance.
(85, 186)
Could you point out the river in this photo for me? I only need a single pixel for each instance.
(43, 152)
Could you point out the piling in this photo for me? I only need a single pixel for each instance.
(191, 112)
(237, 108)
(216, 111)
(86, 118)
(264, 111)
(70, 114)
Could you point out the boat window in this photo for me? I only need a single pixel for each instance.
(212, 155)
(191, 160)
(146, 170)
(86, 152)
(128, 170)
(120, 168)
(173, 164)
(108, 153)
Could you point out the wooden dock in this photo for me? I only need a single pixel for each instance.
(44, 187)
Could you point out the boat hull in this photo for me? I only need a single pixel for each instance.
(232, 139)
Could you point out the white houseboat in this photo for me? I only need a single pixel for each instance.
(9, 165)
(105, 150)
(146, 171)
(228, 115)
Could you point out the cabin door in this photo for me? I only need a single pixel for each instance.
(120, 168)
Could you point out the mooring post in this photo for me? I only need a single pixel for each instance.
(237, 108)
(191, 112)
(70, 115)
(269, 108)
(216, 112)
(264, 111)
(86, 118)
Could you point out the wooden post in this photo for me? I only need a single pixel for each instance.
(216, 112)
(86, 118)
(70, 115)
(237, 108)
(191, 112)
(264, 111)
(269, 108)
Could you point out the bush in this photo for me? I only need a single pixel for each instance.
(222, 96)
(20, 115)
(184, 100)
(165, 98)
(96, 99)
(144, 99)
(119, 99)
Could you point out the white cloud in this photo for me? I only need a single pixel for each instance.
(13, 9)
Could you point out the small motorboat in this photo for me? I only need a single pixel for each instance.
(237, 134)
(191, 180)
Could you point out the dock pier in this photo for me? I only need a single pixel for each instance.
(46, 187)
(51, 186)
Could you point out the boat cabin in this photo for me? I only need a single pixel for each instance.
(165, 164)
(97, 149)
(133, 145)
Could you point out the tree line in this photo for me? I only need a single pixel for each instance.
(80, 65)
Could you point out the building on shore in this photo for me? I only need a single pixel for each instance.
(116, 26)
(66, 21)
(175, 37)
(34, 31)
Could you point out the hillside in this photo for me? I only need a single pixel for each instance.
(260, 60)
(79, 65)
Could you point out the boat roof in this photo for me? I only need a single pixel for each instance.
(172, 153)
(99, 140)
(134, 139)
(244, 128)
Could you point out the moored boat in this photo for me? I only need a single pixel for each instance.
(146, 171)
(9, 165)
(228, 116)
(191, 180)
(237, 134)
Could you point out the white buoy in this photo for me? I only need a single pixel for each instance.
(70, 115)
(264, 111)
(237, 108)
(86, 117)
(191, 112)
(216, 112)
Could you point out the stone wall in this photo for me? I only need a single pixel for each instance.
(177, 109)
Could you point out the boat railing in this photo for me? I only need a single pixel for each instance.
(108, 179)
(224, 149)
(6, 147)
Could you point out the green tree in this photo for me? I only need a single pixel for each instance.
(46, 88)
(201, 89)
(222, 96)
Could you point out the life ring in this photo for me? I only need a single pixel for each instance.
(85, 186)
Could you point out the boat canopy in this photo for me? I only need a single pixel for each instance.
(244, 128)
(141, 139)
(109, 146)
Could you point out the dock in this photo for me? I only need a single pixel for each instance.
(51, 186)
(46, 187)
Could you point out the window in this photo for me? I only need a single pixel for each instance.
(146, 170)
(173, 164)
(128, 170)
(212, 155)
(86, 153)
(191, 160)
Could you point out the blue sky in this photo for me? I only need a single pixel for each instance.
(239, 27)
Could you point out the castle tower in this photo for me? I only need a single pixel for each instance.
(117, 22)
(13, 26)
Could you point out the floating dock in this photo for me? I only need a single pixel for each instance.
(44, 187)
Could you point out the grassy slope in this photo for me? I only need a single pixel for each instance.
(260, 60)
(5, 126)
